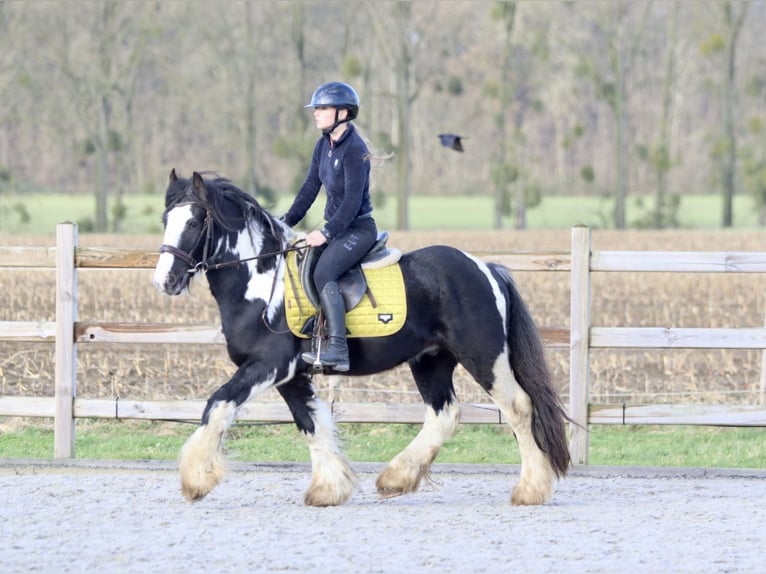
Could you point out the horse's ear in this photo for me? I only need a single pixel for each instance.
(198, 185)
(173, 176)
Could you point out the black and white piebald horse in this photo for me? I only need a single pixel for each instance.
(460, 310)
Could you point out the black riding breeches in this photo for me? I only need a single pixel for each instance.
(344, 251)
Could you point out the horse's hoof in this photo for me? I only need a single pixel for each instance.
(391, 484)
(526, 497)
(192, 494)
(323, 497)
(390, 492)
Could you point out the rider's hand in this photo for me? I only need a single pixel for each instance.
(315, 239)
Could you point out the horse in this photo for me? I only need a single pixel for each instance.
(460, 310)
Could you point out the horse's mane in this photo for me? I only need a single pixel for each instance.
(221, 190)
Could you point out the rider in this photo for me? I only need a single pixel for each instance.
(340, 163)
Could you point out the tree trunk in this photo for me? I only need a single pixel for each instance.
(251, 131)
(734, 23)
(504, 100)
(661, 161)
(403, 157)
(404, 112)
(619, 151)
(102, 166)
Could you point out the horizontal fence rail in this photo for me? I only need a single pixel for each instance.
(581, 262)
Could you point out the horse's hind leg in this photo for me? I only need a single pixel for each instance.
(535, 484)
(433, 375)
(332, 480)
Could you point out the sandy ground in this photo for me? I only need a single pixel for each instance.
(125, 517)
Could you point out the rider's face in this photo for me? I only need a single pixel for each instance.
(325, 117)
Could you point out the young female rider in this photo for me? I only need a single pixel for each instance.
(340, 163)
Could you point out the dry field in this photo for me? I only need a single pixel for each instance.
(626, 299)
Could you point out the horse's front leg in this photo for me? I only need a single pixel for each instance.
(332, 480)
(201, 462)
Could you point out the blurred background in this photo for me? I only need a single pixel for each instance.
(623, 103)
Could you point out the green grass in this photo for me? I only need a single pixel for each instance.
(143, 212)
(45, 210)
(487, 444)
(678, 446)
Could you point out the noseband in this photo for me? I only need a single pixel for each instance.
(187, 257)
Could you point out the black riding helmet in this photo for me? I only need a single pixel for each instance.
(336, 95)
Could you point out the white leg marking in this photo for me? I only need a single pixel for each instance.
(201, 462)
(536, 481)
(405, 472)
(332, 480)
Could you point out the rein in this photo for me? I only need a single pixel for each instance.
(204, 265)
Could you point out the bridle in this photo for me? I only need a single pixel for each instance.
(205, 265)
(186, 256)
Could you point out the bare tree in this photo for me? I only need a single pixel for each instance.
(726, 20)
(664, 210)
(505, 13)
(400, 37)
(561, 96)
(6, 79)
(617, 39)
(100, 79)
(734, 17)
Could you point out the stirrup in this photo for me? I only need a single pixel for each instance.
(313, 359)
(318, 366)
(316, 362)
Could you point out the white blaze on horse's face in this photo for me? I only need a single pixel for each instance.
(174, 228)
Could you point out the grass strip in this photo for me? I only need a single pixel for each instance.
(486, 444)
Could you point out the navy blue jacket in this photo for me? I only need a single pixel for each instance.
(343, 167)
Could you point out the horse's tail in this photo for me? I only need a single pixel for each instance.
(530, 368)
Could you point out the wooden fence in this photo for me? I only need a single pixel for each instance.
(67, 332)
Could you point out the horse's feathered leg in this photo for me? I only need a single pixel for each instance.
(524, 392)
(201, 462)
(332, 480)
(535, 484)
(497, 341)
(408, 468)
(433, 375)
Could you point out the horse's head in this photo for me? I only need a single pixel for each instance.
(212, 221)
(188, 233)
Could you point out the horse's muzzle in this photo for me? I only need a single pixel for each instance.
(167, 278)
(174, 285)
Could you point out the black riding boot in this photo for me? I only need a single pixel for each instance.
(335, 355)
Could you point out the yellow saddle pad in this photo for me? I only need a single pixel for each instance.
(364, 320)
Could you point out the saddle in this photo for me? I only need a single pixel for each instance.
(353, 284)
(378, 276)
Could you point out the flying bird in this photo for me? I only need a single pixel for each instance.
(451, 141)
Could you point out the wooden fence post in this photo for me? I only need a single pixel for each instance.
(66, 348)
(579, 343)
(762, 397)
